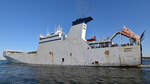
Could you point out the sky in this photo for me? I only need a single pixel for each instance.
(21, 21)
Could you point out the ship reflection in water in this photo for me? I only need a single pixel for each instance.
(33, 74)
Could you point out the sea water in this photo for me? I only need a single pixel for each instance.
(46, 74)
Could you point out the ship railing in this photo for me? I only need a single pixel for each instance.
(104, 44)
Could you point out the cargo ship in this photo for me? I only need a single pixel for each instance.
(74, 49)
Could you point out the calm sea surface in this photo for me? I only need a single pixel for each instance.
(38, 74)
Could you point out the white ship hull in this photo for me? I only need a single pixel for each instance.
(118, 56)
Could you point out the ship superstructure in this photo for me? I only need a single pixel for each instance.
(74, 49)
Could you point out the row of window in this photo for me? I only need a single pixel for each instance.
(49, 37)
(50, 40)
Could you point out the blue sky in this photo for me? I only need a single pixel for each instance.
(21, 21)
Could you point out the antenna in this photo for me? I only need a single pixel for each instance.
(125, 27)
(59, 30)
(55, 27)
(47, 30)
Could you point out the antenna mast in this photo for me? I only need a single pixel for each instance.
(47, 30)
